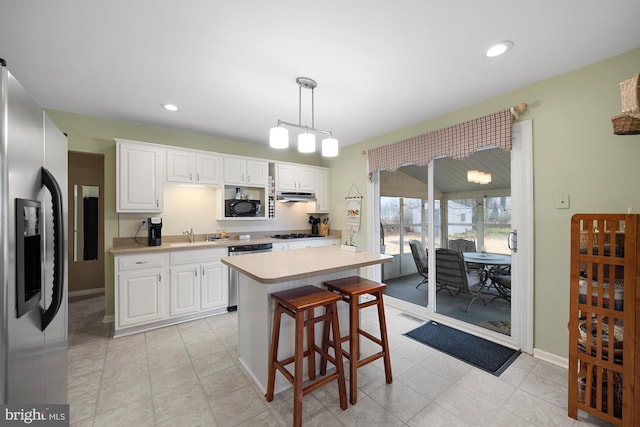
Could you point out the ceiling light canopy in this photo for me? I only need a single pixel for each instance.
(478, 177)
(279, 135)
(170, 107)
(499, 48)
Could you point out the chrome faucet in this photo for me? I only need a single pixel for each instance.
(190, 234)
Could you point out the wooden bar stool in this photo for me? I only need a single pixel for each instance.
(351, 288)
(300, 303)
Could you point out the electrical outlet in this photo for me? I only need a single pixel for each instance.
(563, 201)
(144, 225)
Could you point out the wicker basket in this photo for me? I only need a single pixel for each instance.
(630, 94)
(626, 124)
(584, 329)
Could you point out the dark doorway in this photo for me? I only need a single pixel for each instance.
(86, 223)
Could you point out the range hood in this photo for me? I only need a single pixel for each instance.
(295, 196)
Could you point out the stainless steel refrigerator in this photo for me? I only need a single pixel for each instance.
(33, 258)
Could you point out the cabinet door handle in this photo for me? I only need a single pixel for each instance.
(195, 272)
(157, 203)
(159, 277)
(203, 270)
(141, 262)
(190, 176)
(198, 177)
(248, 178)
(243, 178)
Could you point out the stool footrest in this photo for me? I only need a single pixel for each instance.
(370, 359)
(318, 319)
(367, 303)
(322, 381)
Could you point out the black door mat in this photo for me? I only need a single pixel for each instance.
(486, 355)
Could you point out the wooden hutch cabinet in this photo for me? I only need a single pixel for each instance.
(604, 317)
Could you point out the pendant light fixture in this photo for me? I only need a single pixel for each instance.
(279, 135)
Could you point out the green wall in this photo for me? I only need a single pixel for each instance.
(574, 152)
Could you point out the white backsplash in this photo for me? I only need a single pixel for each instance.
(187, 207)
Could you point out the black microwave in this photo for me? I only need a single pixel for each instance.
(237, 207)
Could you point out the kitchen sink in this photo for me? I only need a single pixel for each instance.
(183, 244)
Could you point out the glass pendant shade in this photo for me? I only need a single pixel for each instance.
(329, 147)
(278, 137)
(306, 143)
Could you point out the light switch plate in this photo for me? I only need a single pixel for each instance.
(563, 201)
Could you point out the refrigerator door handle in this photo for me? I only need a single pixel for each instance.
(50, 182)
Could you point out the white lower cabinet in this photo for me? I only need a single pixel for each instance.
(199, 281)
(280, 246)
(185, 292)
(156, 290)
(305, 243)
(141, 289)
(142, 297)
(214, 285)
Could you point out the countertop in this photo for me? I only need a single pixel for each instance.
(282, 266)
(128, 245)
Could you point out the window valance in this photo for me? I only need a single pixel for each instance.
(457, 141)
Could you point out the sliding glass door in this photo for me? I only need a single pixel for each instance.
(476, 223)
(479, 205)
(471, 218)
(402, 219)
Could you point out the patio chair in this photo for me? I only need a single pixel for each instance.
(501, 280)
(421, 260)
(452, 276)
(466, 245)
(462, 245)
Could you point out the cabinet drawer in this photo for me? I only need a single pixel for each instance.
(140, 261)
(196, 256)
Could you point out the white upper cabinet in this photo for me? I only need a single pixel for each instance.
(208, 169)
(139, 176)
(188, 166)
(254, 173)
(321, 188)
(180, 166)
(294, 178)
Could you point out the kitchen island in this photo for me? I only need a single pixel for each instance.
(262, 274)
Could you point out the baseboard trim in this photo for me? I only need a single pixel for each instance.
(554, 359)
(85, 292)
(108, 318)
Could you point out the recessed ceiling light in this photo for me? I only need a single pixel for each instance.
(170, 107)
(499, 48)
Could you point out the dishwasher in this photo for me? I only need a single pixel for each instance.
(233, 274)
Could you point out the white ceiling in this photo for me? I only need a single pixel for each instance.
(231, 66)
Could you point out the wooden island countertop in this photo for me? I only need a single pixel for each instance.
(283, 266)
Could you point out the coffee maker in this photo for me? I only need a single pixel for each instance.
(155, 234)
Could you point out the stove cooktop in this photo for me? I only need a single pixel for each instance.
(294, 236)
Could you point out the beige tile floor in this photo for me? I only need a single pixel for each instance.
(188, 375)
